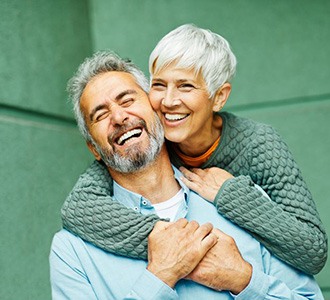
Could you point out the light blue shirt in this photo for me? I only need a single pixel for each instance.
(80, 270)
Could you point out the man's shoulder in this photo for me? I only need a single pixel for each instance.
(95, 175)
(64, 238)
(95, 181)
(68, 246)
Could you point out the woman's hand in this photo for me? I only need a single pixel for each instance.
(205, 182)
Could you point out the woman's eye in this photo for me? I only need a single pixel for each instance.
(186, 86)
(157, 85)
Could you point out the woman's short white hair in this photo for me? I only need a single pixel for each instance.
(190, 47)
(100, 62)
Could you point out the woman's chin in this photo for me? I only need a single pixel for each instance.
(174, 137)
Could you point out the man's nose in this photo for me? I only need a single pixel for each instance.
(171, 98)
(118, 115)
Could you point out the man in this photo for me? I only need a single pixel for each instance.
(185, 259)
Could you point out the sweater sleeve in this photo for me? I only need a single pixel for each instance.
(289, 225)
(90, 212)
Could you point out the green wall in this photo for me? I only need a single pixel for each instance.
(41, 43)
(283, 73)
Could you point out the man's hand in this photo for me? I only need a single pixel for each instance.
(175, 249)
(223, 267)
(205, 182)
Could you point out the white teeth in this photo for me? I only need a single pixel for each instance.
(128, 135)
(175, 117)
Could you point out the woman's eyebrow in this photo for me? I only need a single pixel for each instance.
(157, 79)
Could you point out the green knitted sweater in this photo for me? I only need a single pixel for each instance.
(289, 225)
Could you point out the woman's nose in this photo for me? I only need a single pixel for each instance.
(171, 99)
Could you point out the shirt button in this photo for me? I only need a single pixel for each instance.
(136, 208)
(144, 202)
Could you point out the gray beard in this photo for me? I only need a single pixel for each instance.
(134, 159)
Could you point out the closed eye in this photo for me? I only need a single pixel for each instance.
(157, 85)
(127, 102)
(186, 87)
(98, 112)
(99, 116)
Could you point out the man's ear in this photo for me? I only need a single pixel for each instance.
(221, 96)
(93, 150)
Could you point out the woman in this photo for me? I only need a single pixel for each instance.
(190, 73)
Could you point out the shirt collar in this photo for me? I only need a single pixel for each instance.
(135, 201)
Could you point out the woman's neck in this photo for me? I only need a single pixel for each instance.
(198, 145)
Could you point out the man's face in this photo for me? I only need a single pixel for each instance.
(126, 132)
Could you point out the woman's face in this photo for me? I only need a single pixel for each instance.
(181, 99)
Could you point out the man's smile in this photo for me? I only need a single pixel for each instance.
(134, 133)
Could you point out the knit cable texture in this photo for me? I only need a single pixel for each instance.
(90, 212)
(288, 224)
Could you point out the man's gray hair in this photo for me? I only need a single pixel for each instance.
(198, 49)
(100, 62)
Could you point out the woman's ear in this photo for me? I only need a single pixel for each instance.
(93, 150)
(221, 96)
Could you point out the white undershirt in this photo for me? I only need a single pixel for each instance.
(169, 208)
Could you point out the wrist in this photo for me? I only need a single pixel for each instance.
(165, 275)
(243, 279)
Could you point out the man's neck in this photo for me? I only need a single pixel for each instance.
(155, 182)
